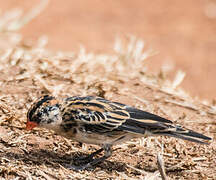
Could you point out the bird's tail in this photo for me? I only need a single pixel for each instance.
(182, 133)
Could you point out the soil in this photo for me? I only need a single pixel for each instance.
(183, 34)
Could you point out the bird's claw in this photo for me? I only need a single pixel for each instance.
(79, 168)
(84, 159)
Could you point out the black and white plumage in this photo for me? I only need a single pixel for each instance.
(95, 120)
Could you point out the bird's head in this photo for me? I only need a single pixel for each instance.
(45, 112)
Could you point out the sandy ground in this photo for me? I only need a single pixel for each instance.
(183, 34)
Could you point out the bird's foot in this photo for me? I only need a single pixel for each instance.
(92, 162)
(89, 158)
(84, 159)
(87, 166)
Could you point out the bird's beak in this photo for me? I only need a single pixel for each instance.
(30, 125)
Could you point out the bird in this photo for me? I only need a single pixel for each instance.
(95, 120)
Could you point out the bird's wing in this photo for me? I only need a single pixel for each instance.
(103, 115)
(97, 114)
(141, 121)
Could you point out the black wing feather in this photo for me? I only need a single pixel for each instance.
(139, 114)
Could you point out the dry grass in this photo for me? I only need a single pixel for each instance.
(29, 70)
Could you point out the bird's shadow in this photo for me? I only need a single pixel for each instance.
(53, 159)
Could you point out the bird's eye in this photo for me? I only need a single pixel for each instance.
(45, 110)
(39, 114)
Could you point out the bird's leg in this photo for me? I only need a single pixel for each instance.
(91, 156)
(107, 154)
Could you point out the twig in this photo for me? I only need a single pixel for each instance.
(161, 167)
